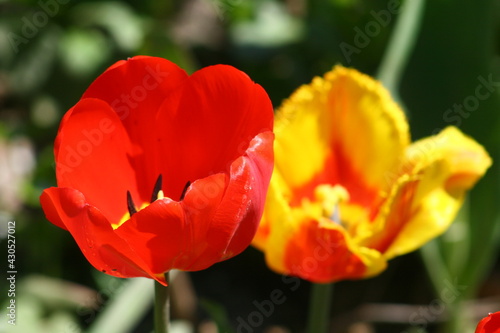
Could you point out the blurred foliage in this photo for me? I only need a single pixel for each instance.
(51, 50)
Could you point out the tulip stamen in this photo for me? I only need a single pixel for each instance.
(157, 189)
(185, 190)
(130, 204)
(330, 198)
(157, 194)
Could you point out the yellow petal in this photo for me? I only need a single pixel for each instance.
(343, 128)
(278, 225)
(275, 210)
(439, 170)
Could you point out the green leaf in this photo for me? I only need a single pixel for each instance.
(218, 314)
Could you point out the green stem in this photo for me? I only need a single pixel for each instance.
(162, 307)
(437, 269)
(401, 44)
(319, 308)
(460, 318)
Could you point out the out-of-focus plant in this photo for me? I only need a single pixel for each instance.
(58, 49)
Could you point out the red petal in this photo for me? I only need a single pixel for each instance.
(92, 151)
(230, 227)
(321, 255)
(489, 324)
(258, 162)
(136, 89)
(157, 234)
(221, 110)
(93, 233)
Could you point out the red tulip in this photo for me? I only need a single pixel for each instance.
(490, 324)
(159, 170)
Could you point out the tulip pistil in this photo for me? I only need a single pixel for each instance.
(336, 214)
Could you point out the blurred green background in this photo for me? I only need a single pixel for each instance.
(51, 50)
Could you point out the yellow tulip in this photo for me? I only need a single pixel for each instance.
(349, 190)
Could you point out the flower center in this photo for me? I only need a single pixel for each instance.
(156, 195)
(330, 197)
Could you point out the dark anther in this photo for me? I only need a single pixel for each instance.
(184, 190)
(130, 204)
(156, 189)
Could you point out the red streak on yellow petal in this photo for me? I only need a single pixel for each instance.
(400, 213)
(338, 170)
(321, 255)
(458, 182)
